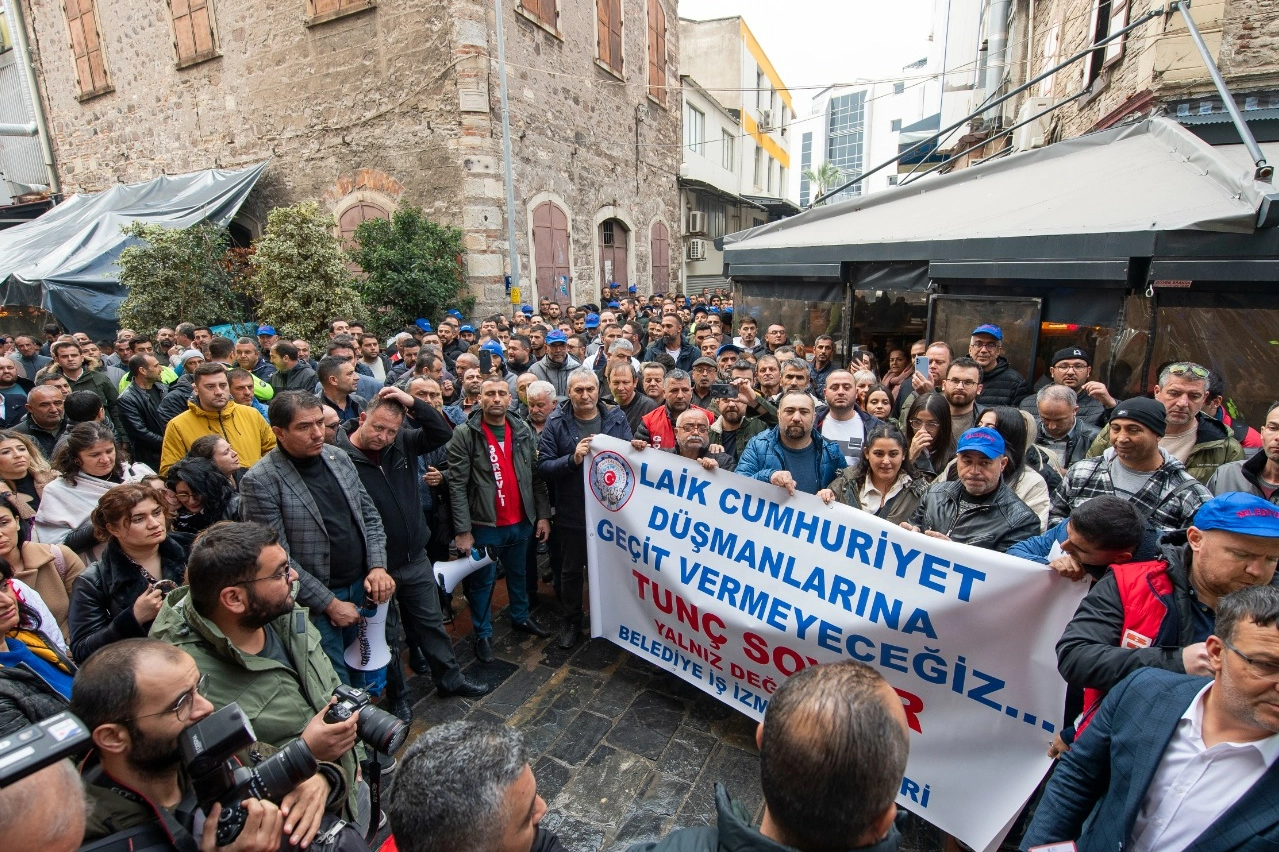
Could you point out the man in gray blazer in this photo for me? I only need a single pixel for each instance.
(311, 494)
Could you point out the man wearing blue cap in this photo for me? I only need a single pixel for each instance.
(1159, 613)
(555, 366)
(1001, 384)
(978, 508)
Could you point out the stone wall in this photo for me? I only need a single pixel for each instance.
(397, 103)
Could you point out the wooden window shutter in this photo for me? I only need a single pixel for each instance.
(193, 35)
(86, 47)
(543, 10)
(319, 11)
(609, 13)
(656, 51)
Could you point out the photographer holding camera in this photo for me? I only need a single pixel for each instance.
(137, 696)
(237, 618)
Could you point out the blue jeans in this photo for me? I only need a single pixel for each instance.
(509, 547)
(335, 639)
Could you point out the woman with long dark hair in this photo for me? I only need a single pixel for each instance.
(89, 463)
(928, 438)
(883, 482)
(36, 674)
(218, 450)
(118, 596)
(204, 495)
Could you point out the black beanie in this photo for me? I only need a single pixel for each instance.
(1148, 412)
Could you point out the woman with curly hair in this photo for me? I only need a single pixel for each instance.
(204, 495)
(218, 450)
(89, 464)
(118, 596)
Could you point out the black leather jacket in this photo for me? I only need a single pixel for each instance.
(143, 425)
(102, 597)
(995, 525)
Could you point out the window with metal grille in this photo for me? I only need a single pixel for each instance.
(608, 232)
(609, 34)
(195, 38)
(85, 31)
(656, 51)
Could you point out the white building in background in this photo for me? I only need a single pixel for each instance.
(736, 169)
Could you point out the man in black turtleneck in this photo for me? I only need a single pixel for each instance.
(311, 494)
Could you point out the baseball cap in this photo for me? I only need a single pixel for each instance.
(705, 362)
(1147, 412)
(526, 309)
(423, 324)
(728, 347)
(592, 320)
(1068, 354)
(614, 305)
(469, 328)
(1241, 513)
(265, 329)
(992, 330)
(454, 312)
(700, 309)
(632, 289)
(982, 440)
(556, 336)
(495, 347)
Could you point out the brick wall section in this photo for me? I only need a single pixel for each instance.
(1159, 57)
(384, 100)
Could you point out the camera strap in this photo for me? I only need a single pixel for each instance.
(373, 770)
(176, 835)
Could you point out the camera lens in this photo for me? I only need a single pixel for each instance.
(382, 730)
(274, 777)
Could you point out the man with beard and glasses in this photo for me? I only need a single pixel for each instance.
(692, 441)
(137, 696)
(238, 620)
(657, 428)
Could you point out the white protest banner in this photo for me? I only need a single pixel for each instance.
(734, 585)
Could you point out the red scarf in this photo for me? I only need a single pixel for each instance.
(510, 506)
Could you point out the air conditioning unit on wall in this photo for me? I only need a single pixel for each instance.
(697, 249)
(696, 222)
(766, 119)
(1034, 134)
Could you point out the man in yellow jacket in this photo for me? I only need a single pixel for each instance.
(213, 412)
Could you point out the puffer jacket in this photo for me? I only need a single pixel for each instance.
(472, 489)
(241, 425)
(555, 449)
(1002, 385)
(102, 597)
(763, 457)
(1214, 446)
(25, 697)
(1242, 476)
(279, 700)
(994, 525)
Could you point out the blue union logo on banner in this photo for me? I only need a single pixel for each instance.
(612, 480)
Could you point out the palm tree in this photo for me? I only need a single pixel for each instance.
(824, 177)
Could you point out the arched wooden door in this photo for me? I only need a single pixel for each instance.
(614, 240)
(550, 251)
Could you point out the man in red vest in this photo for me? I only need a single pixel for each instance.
(1160, 613)
(657, 429)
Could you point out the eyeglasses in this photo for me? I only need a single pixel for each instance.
(278, 575)
(984, 344)
(182, 707)
(1262, 669)
(1070, 368)
(963, 383)
(701, 430)
(926, 425)
(1186, 367)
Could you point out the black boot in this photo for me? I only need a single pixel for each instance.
(572, 631)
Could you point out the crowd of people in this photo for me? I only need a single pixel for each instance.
(189, 520)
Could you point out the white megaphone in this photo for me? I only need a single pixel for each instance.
(369, 651)
(449, 574)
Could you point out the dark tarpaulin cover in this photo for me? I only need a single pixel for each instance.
(65, 261)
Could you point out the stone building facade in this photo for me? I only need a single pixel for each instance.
(367, 106)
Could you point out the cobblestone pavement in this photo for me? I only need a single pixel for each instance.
(623, 752)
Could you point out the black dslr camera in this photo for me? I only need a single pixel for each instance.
(34, 747)
(383, 731)
(208, 752)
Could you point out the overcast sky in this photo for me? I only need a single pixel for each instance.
(820, 42)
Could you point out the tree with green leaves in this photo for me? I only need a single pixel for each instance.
(300, 277)
(824, 177)
(412, 268)
(177, 275)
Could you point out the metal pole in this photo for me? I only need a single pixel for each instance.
(1264, 172)
(1153, 13)
(1004, 132)
(512, 253)
(18, 31)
